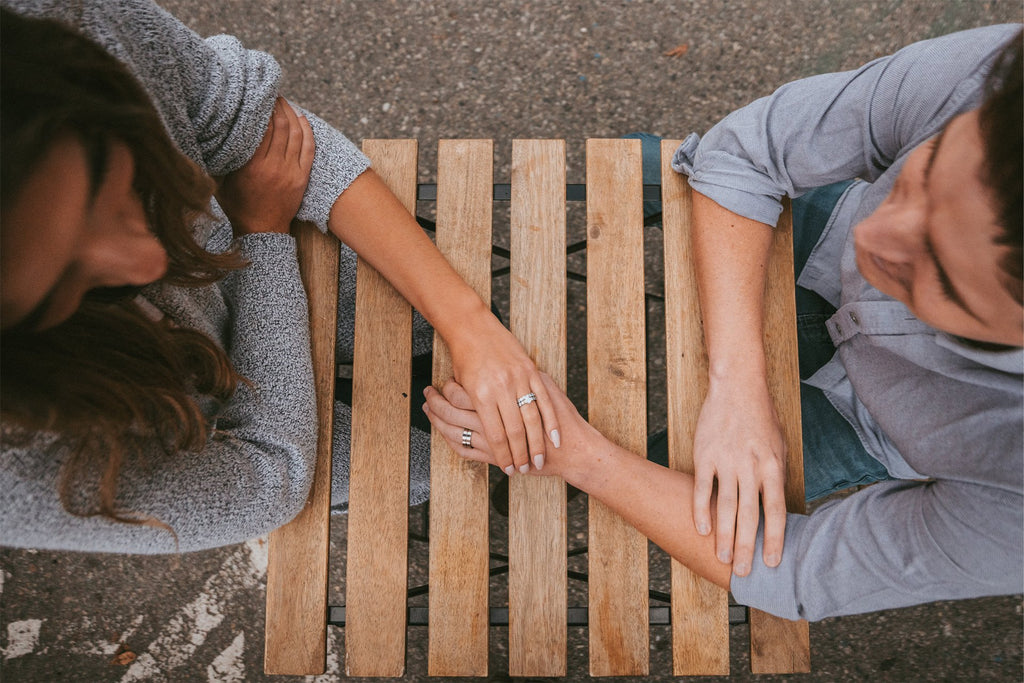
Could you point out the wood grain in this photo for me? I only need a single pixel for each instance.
(458, 626)
(778, 645)
(700, 609)
(537, 507)
(296, 629)
(377, 561)
(616, 370)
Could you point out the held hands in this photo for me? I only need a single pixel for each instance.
(739, 442)
(265, 194)
(451, 412)
(513, 406)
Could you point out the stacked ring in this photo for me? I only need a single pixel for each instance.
(526, 399)
(467, 438)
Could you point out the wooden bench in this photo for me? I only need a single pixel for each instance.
(459, 617)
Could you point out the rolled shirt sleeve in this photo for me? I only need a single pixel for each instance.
(839, 126)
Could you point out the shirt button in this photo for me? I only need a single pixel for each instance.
(853, 317)
(839, 329)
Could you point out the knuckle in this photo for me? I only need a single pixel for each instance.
(515, 431)
(532, 419)
(497, 440)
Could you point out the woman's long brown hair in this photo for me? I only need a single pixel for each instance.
(108, 379)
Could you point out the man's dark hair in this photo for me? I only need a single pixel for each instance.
(1001, 120)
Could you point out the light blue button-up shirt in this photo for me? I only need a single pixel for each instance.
(944, 418)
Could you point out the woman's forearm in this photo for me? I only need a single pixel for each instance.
(486, 358)
(371, 220)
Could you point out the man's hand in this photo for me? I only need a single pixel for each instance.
(739, 442)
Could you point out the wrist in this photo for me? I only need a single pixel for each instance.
(742, 367)
(738, 386)
(587, 460)
(463, 321)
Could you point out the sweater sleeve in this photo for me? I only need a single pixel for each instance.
(230, 96)
(254, 473)
(838, 126)
(215, 96)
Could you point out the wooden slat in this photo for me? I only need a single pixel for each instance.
(296, 631)
(619, 642)
(377, 560)
(537, 508)
(700, 609)
(458, 488)
(778, 645)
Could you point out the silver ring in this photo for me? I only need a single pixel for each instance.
(467, 438)
(526, 399)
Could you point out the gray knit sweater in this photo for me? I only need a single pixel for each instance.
(215, 98)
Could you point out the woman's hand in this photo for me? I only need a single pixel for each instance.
(265, 194)
(451, 412)
(497, 375)
(739, 442)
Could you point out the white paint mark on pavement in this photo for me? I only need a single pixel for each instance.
(179, 639)
(229, 666)
(22, 638)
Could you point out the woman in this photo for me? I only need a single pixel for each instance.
(188, 407)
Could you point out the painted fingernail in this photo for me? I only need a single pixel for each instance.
(556, 438)
(538, 461)
(510, 470)
(703, 529)
(524, 468)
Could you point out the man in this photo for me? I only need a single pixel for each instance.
(911, 332)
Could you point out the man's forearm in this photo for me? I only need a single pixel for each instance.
(731, 255)
(657, 501)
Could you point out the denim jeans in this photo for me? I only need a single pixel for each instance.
(834, 457)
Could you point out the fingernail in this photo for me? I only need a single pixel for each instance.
(741, 569)
(703, 529)
(724, 556)
(524, 468)
(772, 560)
(538, 461)
(556, 438)
(425, 390)
(510, 470)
